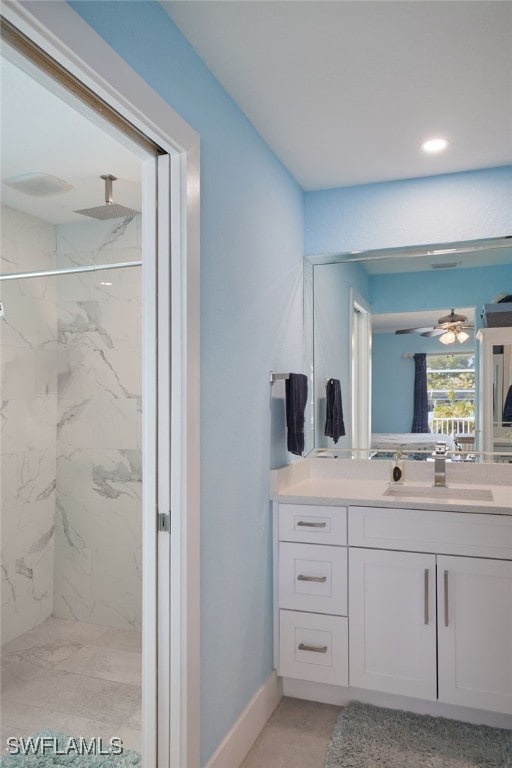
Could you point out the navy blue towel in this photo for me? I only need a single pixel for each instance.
(334, 425)
(296, 398)
(420, 414)
(507, 409)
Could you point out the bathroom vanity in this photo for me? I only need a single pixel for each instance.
(395, 595)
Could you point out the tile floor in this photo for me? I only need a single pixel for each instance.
(84, 680)
(296, 736)
(80, 679)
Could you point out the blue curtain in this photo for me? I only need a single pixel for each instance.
(507, 409)
(420, 417)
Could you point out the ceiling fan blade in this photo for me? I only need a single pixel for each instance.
(434, 332)
(414, 330)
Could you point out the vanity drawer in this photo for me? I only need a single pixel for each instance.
(313, 647)
(444, 533)
(316, 524)
(313, 578)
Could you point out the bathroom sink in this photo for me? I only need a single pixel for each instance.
(439, 492)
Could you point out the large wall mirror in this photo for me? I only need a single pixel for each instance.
(354, 305)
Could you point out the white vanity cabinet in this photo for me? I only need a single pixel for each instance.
(475, 632)
(312, 593)
(395, 630)
(407, 602)
(393, 622)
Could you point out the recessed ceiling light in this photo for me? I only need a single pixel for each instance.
(434, 145)
(105, 283)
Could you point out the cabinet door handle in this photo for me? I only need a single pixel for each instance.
(304, 524)
(425, 606)
(321, 579)
(313, 648)
(446, 615)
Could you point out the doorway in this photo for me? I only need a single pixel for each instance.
(168, 549)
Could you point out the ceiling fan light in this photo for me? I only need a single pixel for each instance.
(462, 336)
(447, 338)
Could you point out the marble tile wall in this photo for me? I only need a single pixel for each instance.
(28, 395)
(70, 354)
(99, 475)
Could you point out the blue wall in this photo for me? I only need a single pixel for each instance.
(439, 289)
(251, 322)
(458, 206)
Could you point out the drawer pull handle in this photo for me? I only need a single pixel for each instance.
(320, 579)
(304, 524)
(446, 612)
(313, 648)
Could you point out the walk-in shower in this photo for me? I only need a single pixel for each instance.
(70, 344)
(71, 426)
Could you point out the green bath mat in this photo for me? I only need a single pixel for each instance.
(49, 748)
(372, 737)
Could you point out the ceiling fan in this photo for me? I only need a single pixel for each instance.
(448, 329)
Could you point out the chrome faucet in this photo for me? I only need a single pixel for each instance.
(440, 465)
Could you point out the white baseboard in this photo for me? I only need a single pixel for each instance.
(334, 694)
(232, 750)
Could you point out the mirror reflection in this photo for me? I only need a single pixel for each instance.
(502, 394)
(502, 397)
(398, 329)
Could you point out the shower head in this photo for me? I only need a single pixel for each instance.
(110, 210)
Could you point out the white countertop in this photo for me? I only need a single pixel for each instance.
(324, 483)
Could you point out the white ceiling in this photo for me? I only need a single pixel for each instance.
(42, 133)
(345, 91)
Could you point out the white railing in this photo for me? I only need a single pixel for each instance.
(450, 425)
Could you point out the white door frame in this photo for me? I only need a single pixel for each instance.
(56, 28)
(361, 377)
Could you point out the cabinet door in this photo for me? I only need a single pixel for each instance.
(475, 632)
(392, 622)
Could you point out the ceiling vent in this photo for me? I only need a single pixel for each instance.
(447, 265)
(38, 184)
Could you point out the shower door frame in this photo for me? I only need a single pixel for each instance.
(171, 365)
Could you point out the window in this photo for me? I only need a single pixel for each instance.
(451, 393)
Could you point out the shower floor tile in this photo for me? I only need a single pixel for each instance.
(105, 663)
(25, 720)
(77, 678)
(121, 639)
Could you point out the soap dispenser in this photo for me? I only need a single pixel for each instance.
(397, 469)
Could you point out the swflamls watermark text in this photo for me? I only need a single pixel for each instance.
(55, 745)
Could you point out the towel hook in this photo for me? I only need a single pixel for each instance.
(278, 376)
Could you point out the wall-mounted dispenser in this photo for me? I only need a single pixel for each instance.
(397, 469)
